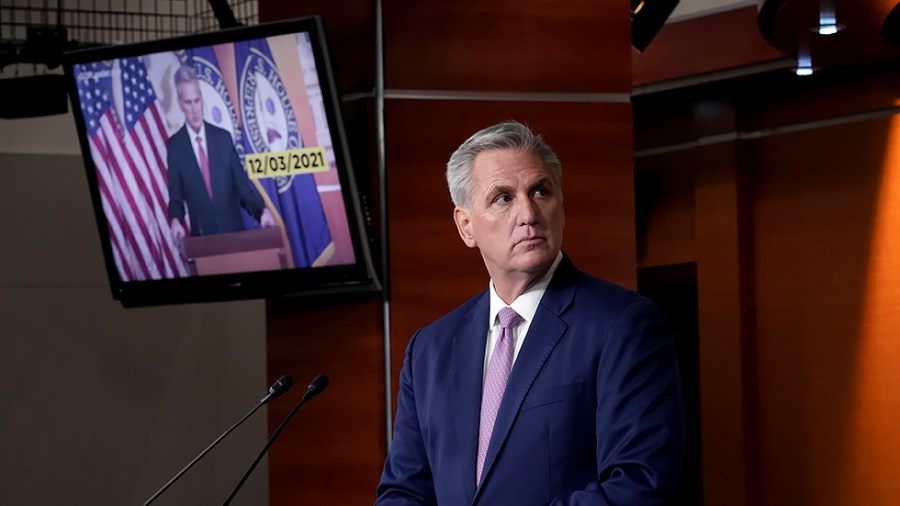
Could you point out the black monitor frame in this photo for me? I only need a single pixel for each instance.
(356, 277)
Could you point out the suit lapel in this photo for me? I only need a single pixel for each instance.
(467, 366)
(543, 335)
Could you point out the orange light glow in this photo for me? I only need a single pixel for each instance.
(875, 422)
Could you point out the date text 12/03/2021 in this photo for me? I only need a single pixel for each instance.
(286, 163)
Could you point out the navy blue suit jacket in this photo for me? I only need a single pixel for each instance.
(592, 413)
(231, 188)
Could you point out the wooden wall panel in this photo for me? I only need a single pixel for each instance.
(664, 196)
(693, 208)
(785, 99)
(350, 30)
(815, 196)
(798, 321)
(769, 100)
(683, 115)
(333, 450)
(874, 442)
(724, 265)
(798, 383)
(431, 269)
(505, 45)
(816, 380)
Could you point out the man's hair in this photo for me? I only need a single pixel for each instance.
(184, 74)
(506, 135)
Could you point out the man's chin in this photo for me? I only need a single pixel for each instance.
(536, 260)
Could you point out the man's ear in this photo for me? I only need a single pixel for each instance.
(464, 226)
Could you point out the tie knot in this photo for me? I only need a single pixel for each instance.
(509, 318)
(199, 140)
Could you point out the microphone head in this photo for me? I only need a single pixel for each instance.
(317, 386)
(282, 385)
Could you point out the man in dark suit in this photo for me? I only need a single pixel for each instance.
(551, 387)
(205, 173)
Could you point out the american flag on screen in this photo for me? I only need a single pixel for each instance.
(129, 156)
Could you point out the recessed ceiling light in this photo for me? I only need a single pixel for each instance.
(828, 24)
(804, 66)
(828, 28)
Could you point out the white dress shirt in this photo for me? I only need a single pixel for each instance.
(525, 304)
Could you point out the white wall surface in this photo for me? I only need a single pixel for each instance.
(101, 405)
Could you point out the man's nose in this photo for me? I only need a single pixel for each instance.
(526, 211)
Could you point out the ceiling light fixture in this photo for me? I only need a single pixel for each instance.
(828, 24)
(804, 71)
(828, 29)
(804, 60)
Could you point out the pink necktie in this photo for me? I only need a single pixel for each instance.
(495, 382)
(204, 165)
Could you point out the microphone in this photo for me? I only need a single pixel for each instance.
(282, 385)
(316, 387)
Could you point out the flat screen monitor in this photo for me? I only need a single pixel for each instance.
(218, 166)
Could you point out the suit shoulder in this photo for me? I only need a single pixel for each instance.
(593, 306)
(214, 131)
(572, 285)
(609, 288)
(450, 323)
(615, 298)
(460, 314)
(179, 134)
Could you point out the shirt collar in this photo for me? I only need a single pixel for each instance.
(201, 133)
(527, 303)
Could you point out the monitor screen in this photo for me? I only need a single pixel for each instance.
(218, 166)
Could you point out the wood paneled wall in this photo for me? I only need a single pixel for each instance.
(794, 238)
(450, 68)
(334, 448)
(506, 45)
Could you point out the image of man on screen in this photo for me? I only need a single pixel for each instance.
(551, 386)
(206, 179)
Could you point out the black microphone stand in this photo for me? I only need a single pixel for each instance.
(318, 384)
(280, 386)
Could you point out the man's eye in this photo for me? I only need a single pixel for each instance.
(542, 191)
(502, 198)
